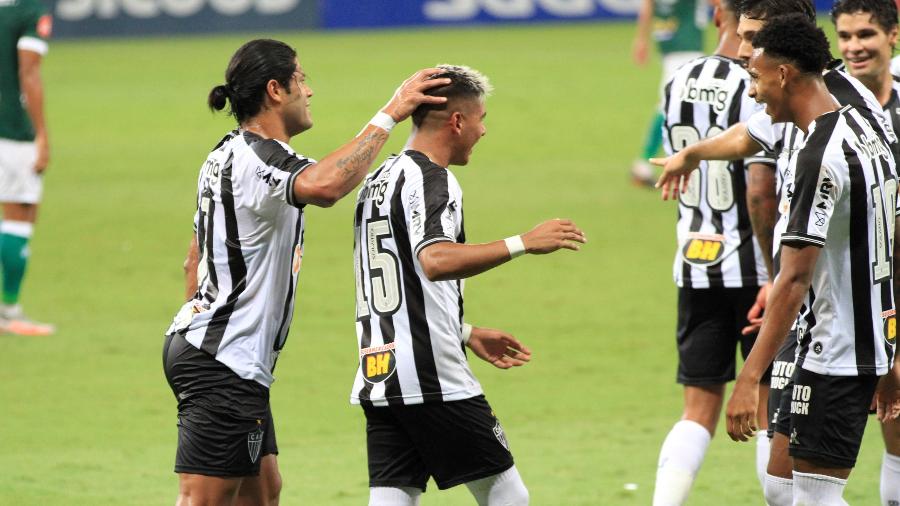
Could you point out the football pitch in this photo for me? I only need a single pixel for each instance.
(87, 416)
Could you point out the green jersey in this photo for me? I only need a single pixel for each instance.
(678, 25)
(24, 25)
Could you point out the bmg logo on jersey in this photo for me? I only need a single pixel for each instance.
(709, 91)
(800, 399)
(378, 363)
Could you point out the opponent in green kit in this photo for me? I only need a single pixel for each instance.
(25, 27)
(677, 26)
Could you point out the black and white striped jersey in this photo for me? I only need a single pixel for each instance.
(716, 246)
(844, 200)
(249, 229)
(409, 329)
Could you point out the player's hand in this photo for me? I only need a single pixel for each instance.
(411, 94)
(639, 51)
(42, 145)
(740, 414)
(755, 315)
(553, 235)
(887, 396)
(498, 348)
(676, 169)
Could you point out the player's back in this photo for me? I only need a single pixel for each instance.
(249, 230)
(408, 327)
(844, 200)
(715, 238)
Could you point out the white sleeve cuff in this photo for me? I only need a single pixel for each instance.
(33, 44)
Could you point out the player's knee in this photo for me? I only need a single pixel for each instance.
(274, 488)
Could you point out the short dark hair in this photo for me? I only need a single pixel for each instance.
(249, 71)
(796, 39)
(730, 7)
(465, 82)
(884, 12)
(766, 9)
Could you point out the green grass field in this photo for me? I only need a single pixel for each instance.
(87, 417)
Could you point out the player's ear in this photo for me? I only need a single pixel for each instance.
(274, 90)
(456, 121)
(892, 37)
(784, 73)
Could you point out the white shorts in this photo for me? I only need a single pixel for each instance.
(19, 183)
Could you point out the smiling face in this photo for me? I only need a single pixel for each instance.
(865, 46)
(297, 116)
(747, 29)
(472, 129)
(767, 85)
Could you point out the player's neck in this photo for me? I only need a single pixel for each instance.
(809, 101)
(437, 150)
(266, 127)
(729, 42)
(881, 85)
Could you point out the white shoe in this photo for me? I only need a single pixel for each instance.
(14, 321)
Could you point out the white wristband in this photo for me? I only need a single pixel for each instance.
(466, 333)
(383, 121)
(515, 246)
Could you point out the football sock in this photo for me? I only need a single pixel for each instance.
(890, 480)
(679, 460)
(504, 489)
(654, 137)
(14, 236)
(762, 457)
(394, 496)
(818, 490)
(779, 491)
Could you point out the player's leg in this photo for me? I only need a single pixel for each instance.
(462, 442)
(504, 489)
(397, 474)
(828, 418)
(705, 363)
(779, 468)
(20, 192)
(890, 464)
(779, 486)
(264, 489)
(221, 424)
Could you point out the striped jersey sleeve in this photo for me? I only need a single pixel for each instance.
(432, 211)
(270, 180)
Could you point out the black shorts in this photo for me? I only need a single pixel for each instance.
(452, 442)
(225, 423)
(824, 417)
(710, 321)
(782, 371)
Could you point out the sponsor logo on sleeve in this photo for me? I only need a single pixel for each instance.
(45, 26)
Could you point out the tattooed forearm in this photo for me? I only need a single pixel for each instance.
(762, 208)
(363, 155)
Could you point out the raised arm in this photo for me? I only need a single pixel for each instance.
(33, 90)
(191, 262)
(449, 260)
(732, 144)
(334, 176)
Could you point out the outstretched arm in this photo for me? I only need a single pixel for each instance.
(334, 176)
(732, 144)
(449, 260)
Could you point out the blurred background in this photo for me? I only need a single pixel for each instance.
(86, 416)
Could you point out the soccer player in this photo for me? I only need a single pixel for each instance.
(242, 267)
(836, 283)
(677, 26)
(426, 415)
(25, 27)
(867, 34)
(719, 268)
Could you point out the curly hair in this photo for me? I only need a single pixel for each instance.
(884, 12)
(796, 39)
(766, 9)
